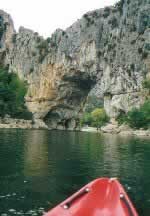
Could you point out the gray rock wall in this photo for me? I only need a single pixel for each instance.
(105, 53)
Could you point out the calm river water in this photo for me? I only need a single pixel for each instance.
(40, 168)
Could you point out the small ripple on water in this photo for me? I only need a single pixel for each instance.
(11, 212)
(35, 212)
(7, 195)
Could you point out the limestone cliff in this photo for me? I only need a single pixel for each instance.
(106, 52)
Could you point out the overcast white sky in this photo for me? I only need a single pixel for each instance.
(45, 16)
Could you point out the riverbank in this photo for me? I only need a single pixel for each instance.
(89, 129)
(111, 128)
(8, 122)
(123, 130)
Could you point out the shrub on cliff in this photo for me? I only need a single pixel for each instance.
(146, 83)
(119, 6)
(92, 103)
(143, 20)
(106, 12)
(113, 22)
(14, 37)
(1, 27)
(1, 32)
(12, 92)
(43, 50)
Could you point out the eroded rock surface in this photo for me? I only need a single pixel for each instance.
(106, 52)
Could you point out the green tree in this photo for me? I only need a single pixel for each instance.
(86, 119)
(99, 117)
(139, 118)
(12, 92)
(136, 118)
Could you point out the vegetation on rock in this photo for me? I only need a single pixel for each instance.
(92, 103)
(96, 118)
(146, 84)
(113, 22)
(12, 92)
(99, 117)
(137, 117)
(43, 50)
(1, 27)
(106, 12)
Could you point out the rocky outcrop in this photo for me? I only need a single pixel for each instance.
(124, 130)
(105, 53)
(8, 122)
(112, 127)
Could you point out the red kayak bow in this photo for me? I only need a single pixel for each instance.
(102, 197)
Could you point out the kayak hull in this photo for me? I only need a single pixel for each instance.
(101, 197)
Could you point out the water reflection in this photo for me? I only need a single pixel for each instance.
(44, 167)
(36, 154)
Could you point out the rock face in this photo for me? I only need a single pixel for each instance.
(8, 122)
(106, 52)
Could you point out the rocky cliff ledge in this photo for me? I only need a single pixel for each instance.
(107, 52)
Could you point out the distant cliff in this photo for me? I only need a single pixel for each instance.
(106, 52)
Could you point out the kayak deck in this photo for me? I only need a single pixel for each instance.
(102, 197)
